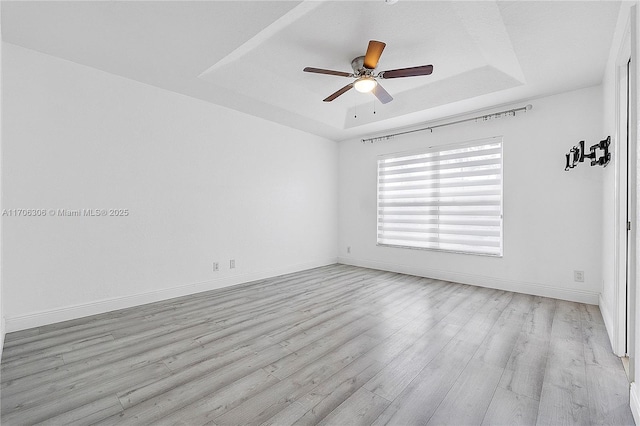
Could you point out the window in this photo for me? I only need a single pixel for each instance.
(444, 198)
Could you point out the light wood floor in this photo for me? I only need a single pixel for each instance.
(334, 345)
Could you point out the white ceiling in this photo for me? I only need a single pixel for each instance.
(249, 55)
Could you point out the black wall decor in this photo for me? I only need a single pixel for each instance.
(577, 154)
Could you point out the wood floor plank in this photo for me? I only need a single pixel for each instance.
(210, 406)
(497, 347)
(14, 337)
(469, 397)
(568, 311)
(207, 375)
(525, 369)
(326, 397)
(591, 314)
(401, 339)
(508, 408)
(608, 396)
(24, 408)
(126, 357)
(391, 381)
(199, 314)
(288, 365)
(419, 400)
(567, 329)
(540, 320)
(441, 304)
(563, 405)
(12, 370)
(475, 298)
(408, 322)
(597, 347)
(331, 345)
(250, 341)
(165, 347)
(271, 401)
(125, 317)
(83, 354)
(481, 318)
(86, 414)
(47, 349)
(524, 372)
(564, 398)
(288, 416)
(361, 408)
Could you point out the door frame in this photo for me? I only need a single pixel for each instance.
(624, 209)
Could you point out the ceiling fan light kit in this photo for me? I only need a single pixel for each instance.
(366, 80)
(365, 84)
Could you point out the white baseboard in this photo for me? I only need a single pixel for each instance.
(634, 402)
(608, 320)
(66, 313)
(608, 323)
(535, 289)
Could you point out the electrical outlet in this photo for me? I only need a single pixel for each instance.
(348, 249)
(232, 264)
(578, 276)
(215, 267)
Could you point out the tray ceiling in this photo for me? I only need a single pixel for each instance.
(249, 56)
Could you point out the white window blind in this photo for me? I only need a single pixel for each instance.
(445, 198)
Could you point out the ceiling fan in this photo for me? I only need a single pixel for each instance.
(366, 80)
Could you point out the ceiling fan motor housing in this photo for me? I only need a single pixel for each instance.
(358, 67)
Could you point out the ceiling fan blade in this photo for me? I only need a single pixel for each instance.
(382, 95)
(330, 72)
(338, 93)
(374, 50)
(407, 72)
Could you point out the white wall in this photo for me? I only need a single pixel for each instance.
(552, 218)
(201, 182)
